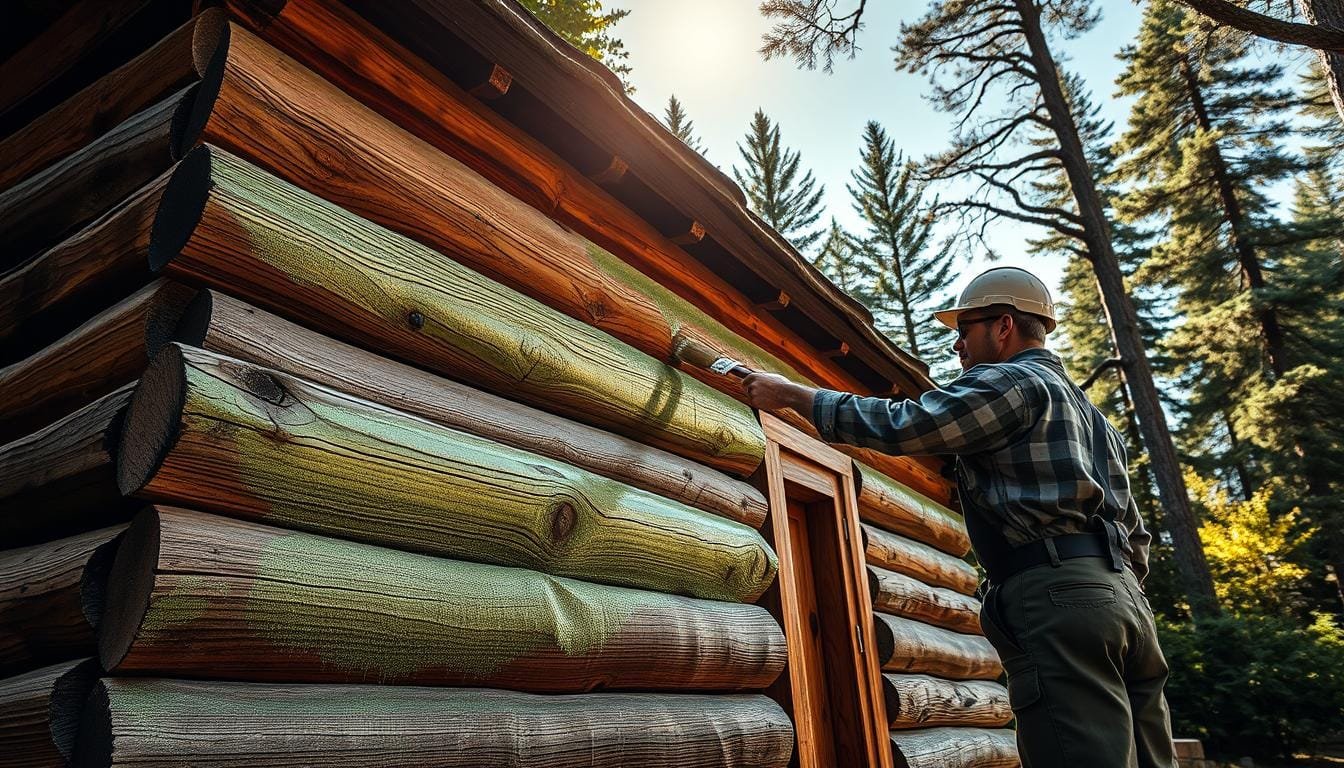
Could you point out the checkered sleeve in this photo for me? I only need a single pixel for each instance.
(981, 411)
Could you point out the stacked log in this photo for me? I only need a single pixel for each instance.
(39, 713)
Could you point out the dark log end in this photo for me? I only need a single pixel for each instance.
(886, 641)
(210, 26)
(873, 586)
(195, 110)
(67, 704)
(891, 698)
(153, 420)
(93, 745)
(180, 208)
(164, 315)
(93, 584)
(129, 585)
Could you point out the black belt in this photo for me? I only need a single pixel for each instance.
(1067, 547)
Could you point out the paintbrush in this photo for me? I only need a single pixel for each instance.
(701, 355)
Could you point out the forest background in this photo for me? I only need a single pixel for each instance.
(909, 146)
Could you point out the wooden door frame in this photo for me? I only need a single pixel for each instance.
(792, 457)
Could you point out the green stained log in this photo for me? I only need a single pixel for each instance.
(160, 723)
(196, 595)
(921, 701)
(955, 748)
(39, 713)
(218, 433)
(41, 615)
(228, 224)
(920, 561)
(898, 594)
(895, 507)
(230, 327)
(905, 645)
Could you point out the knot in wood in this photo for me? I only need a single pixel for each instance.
(563, 519)
(416, 320)
(262, 385)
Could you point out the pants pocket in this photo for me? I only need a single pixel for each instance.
(1082, 594)
(1024, 689)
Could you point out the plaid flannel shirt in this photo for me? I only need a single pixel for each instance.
(1022, 434)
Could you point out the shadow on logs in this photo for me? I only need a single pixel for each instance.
(39, 713)
(904, 645)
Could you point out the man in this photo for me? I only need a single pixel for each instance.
(1044, 486)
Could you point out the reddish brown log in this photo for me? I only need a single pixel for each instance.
(901, 595)
(892, 506)
(61, 479)
(196, 595)
(905, 645)
(221, 324)
(955, 748)
(92, 360)
(41, 616)
(920, 561)
(920, 701)
(39, 714)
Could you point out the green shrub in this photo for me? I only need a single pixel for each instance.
(1255, 685)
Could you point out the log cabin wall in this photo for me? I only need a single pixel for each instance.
(369, 347)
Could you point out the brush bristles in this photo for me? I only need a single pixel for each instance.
(694, 352)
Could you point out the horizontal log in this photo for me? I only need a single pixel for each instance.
(61, 479)
(344, 49)
(215, 432)
(898, 594)
(50, 205)
(148, 78)
(41, 615)
(52, 294)
(890, 505)
(104, 353)
(224, 325)
(955, 748)
(921, 701)
(39, 711)
(905, 645)
(195, 595)
(920, 561)
(160, 723)
(227, 224)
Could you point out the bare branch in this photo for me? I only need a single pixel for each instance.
(1317, 36)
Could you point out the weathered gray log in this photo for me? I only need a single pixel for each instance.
(905, 645)
(955, 748)
(53, 203)
(196, 595)
(227, 224)
(52, 294)
(217, 433)
(152, 723)
(100, 355)
(892, 506)
(39, 713)
(41, 613)
(225, 325)
(921, 701)
(897, 553)
(61, 479)
(901, 595)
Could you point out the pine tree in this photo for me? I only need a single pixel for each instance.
(681, 125)
(586, 26)
(913, 274)
(787, 201)
(842, 260)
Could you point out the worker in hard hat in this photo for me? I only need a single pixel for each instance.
(1043, 484)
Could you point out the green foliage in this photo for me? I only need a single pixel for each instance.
(842, 260)
(586, 26)
(681, 125)
(789, 202)
(1255, 685)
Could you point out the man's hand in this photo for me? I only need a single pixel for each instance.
(771, 392)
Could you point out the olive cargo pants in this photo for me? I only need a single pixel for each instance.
(1085, 672)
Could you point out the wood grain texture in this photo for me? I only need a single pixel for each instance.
(50, 205)
(905, 645)
(104, 353)
(901, 595)
(36, 727)
(137, 722)
(892, 506)
(227, 326)
(61, 479)
(955, 748)
(226, 224)
(921, 701)
(52, 294)
(218, 433)
(920, 561)
(197, 595)
(41, 616)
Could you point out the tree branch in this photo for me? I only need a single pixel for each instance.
(1317, 36)
(1092, 377)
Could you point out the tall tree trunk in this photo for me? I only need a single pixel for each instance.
(1124, 323)
(1328, 13)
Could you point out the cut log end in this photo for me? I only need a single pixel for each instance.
(93, 584)
(93, 744)
(153, 420)
(181, 208)
(186, 322)
(67, 705)
(128, 587)
(212, 27)
(188, 125)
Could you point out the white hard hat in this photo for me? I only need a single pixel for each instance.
(1004, 285)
